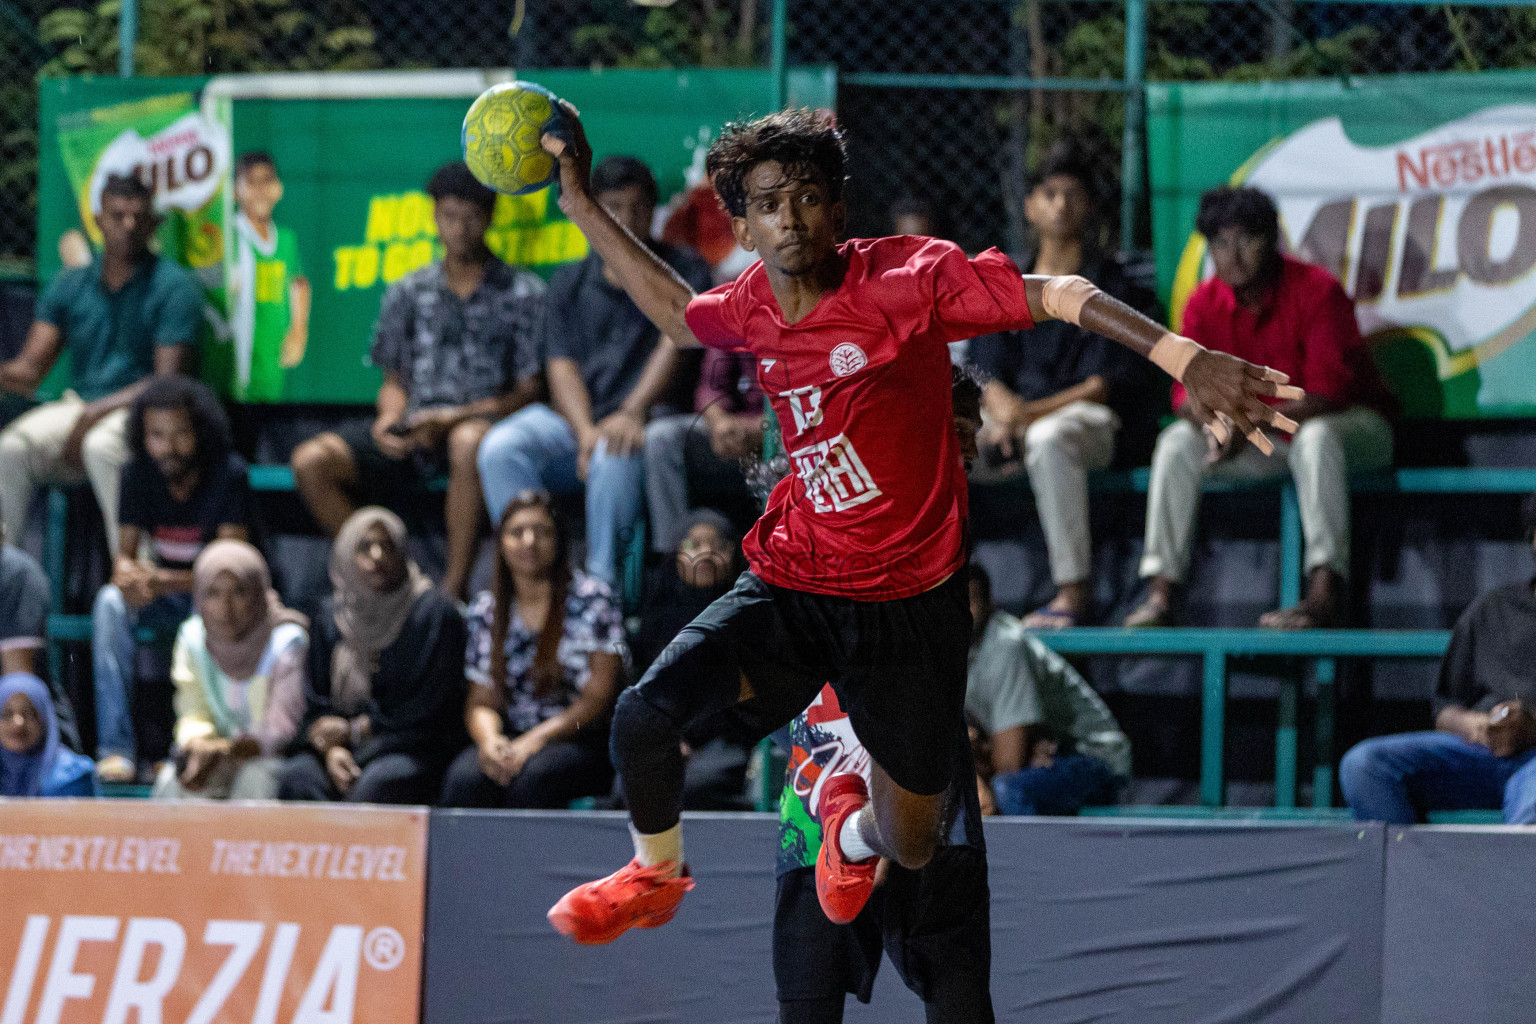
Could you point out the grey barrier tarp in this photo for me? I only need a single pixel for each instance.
(1108, 922)
(1460, 926)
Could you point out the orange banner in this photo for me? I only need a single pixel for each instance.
(129, 912)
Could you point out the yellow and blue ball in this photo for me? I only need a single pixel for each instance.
(501, 137)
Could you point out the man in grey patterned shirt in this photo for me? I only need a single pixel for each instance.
(459, 342)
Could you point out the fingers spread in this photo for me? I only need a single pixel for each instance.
(1262, 386)
(1290, 391)
(1266, 373)
(1221, 427)
(1281, 422)
(1261, 442)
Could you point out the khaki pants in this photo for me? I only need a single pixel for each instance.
(255, 779)
(1059, 450)
(1319, 459)
(31, 454)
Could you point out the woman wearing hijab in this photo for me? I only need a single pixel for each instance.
(547, 655)
(238, 667)
(384, 699)
(32, 760)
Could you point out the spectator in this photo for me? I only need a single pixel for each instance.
(182, 490)
(384, 696)
(32, 760)
(239, 674)
(913, 215)
(24, 605)
(124, 318)
(1482, 754)
(1271, 309)
(696, 459)
(546, 655)
(1062, 397)
(1055, 746)
(458, 342)
(605, 372)
(705, 564)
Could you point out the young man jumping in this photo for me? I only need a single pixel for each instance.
(854, 567)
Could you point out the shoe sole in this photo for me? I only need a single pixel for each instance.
(566, 923)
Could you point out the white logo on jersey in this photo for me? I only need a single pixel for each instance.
(847, 359)
(807, 415)
(834, 475)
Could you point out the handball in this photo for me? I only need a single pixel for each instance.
(501, 137)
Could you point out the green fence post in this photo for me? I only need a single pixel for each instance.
(1326, 673)
(1213, 733)
(127, 37)
(1291, 542)
(1131, 163)
(1285, 743)
(778, 53)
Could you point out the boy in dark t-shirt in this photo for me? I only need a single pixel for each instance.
(181, 490)
(852, 574)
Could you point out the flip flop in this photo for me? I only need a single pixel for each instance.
(1050, 618)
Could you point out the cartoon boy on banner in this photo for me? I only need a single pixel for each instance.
(269, 296)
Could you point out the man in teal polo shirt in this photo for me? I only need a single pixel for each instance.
(125, 317)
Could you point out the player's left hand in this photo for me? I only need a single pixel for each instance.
(1224, 384)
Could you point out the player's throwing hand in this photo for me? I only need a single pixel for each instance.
(1226, 386)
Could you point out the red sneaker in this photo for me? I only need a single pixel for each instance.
(842, 886)
(632, 897)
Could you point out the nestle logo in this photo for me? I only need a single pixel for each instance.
(1466, 162)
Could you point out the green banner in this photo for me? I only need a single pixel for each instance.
(1417, 191)
(352, 153)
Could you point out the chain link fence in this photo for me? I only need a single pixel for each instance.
(954, 139)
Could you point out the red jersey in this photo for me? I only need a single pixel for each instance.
(875, 502)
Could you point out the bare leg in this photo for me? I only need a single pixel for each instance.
(323, 469)
(898, 824)
(464, 508)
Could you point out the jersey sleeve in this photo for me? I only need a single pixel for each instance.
(715, 318)
(975, 296)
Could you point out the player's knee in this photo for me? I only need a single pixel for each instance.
(638, 725)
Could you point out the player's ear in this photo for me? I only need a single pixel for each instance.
(743, 234)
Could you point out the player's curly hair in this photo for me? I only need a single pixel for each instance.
(807, 143)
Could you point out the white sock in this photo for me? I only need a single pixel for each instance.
(660, 848)
(850, 842)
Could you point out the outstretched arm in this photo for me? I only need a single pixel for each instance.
(1227, 392)
(655, 287)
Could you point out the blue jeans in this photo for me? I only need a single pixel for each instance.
(1398, 779)
(113, 649)
(1066, 787)
(535, 449)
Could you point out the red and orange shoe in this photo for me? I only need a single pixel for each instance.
(632, 897)
(842, 886)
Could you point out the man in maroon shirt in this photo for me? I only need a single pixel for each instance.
(1264, 306)
(852, 573)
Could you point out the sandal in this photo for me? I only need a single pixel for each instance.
(1050, 618)
(1306, 615)
(1152, 613)
(115, 769)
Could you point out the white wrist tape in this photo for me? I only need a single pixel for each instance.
(1173, 354)
(1064, 297)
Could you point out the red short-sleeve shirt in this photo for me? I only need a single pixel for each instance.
(875, 502)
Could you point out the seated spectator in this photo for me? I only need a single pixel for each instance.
(1482, 754)
(696, 458)
(704, 566)
(124, 318)
(24, 602)
(384, 692)
(1061, 397)
(1273, 310)
(182, 490)
(458, 342)
(32, 760)
(1055, 746)
(605, 371)
(912, 214)
(546, 657)
(238, 667)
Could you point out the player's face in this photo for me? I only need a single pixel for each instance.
(461, 226)
(631, 206)
(21, 727)
(1240, 257)
(258, 190)
(528, 542)
(791, 223)
(126, 226)
(228, 610)
(378, 561)
(171, 441)
(1058, 208)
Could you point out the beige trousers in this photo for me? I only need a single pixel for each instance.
(1059, 451)
(1319, 459)
(255, 779)
(31, 454)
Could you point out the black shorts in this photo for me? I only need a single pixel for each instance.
(898, 667)
(380, 478)
(934, 924)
